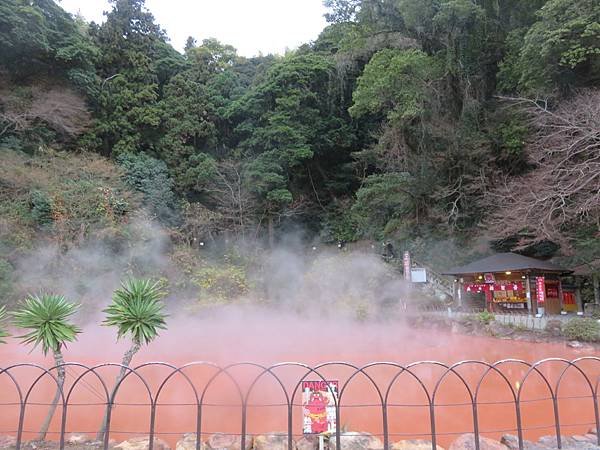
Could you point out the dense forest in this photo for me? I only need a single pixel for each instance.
(448, 127)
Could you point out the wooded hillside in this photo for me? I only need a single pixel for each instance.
(449, 127)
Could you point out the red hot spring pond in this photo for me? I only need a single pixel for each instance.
(267, 339)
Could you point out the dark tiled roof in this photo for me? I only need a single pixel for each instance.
(504, 262)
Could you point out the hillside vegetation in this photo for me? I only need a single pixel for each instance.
(452, 128)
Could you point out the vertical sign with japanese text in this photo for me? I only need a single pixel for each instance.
(540, 288)
(407, 266)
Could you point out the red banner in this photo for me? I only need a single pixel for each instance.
(540, 283)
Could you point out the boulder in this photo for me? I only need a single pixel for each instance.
(142, 443)
(273, 441)
(499, 330)
(41, 445)
(414, 444)
(78, 439)
(512, 442)
(574, 344)
(585, 439)
(550, 441)
(569, 443)
(554, 327)
(7, 441)
(223, 441)
(467, 442)
(188, 442)
(308, 442)
(354, 440)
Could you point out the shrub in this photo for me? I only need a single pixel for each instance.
(362, 312)
(582, 329)
(150, 176)
(41, 208)
(485, 317)
(221, 283)
(554, 327)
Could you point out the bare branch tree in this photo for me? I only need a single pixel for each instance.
(563, 190)
(60, 108)
(234, 202)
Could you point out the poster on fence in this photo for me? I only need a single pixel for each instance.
(318, 406)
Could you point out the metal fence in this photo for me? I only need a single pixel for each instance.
(512, 376)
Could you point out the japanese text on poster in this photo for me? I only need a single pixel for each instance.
(541, 289)
(318, 401)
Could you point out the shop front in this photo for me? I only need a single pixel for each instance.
(508, 282)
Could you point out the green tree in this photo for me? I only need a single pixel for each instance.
(212, 56)
(396, 83)
(288, 129)
(47, 316)
(384, 202)
(188, 120)
(135, 61)
(41, 38)
(150, 177)
(561, 50)
(136, 311)
(341, 10)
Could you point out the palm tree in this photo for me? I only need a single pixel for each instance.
(137, 311)
(3, 332)
(48, 318)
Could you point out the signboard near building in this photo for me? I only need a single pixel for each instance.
(418, 275)
(540, 289)
(318, 406)
(489, 278)
(407, 266)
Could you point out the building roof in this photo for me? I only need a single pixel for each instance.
(505, 262)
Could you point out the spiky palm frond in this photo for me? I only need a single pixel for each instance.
(3, 332)
(48, 318)
(137, 310)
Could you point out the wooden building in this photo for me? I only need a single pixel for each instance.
(508, 282)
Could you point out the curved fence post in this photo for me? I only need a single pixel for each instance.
(451, 369)
(114, 395)
(534, 368)
(77, 380)
(21, 403)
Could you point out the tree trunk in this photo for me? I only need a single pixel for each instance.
(271, 232)
(59, 363)
(127, 357)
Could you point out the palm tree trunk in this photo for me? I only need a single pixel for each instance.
(59, 363)
(127, 357)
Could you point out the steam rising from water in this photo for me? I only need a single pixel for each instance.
(290, 285)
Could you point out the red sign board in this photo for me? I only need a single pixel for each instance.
(501, 286)
(540, 284)
(489, 278)
(318, 406)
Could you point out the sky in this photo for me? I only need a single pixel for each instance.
(251, 26)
